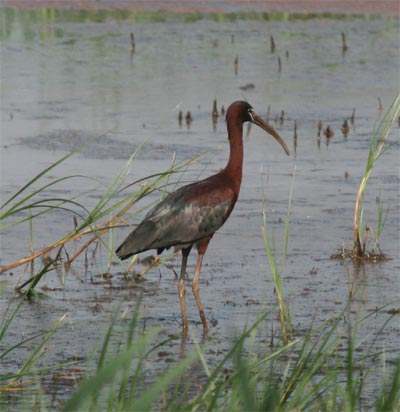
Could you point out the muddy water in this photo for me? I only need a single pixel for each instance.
(65, 82)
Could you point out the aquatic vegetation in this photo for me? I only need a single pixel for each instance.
(25, 375)
(49, 15)
(319, 370)
(377, 147)
(278, 274)
(31, 201)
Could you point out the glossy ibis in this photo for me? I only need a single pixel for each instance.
(192, 214)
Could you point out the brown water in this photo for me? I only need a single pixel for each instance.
(65, 82)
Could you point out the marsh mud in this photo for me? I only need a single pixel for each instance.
(68, 81)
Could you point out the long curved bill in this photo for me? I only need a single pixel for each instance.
(269, 129)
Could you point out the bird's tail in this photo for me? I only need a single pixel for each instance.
(138, 241)
(123, 253)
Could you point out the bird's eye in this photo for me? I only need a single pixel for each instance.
(251, 115)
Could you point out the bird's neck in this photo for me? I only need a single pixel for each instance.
(235, 163)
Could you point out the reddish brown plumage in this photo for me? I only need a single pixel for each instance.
(192, 214)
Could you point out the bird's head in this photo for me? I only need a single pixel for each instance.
(241, 111)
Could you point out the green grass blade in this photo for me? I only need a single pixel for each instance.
(39, 175)
(106, 374)
(146, 400)
(36, 354)
(389, 399)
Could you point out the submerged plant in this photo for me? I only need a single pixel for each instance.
(377, 148)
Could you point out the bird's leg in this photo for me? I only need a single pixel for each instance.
(182, 288)
(202, 247)
(195, 288)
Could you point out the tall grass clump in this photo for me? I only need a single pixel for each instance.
(276, 271)
(322, 370)
(377, 147)
(118, 382)
(33, 200)
(319, 371)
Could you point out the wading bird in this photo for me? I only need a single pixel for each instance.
(192, 214)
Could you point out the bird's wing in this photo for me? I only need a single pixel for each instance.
(191, 213)
(184, 216)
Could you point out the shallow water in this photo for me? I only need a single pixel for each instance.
(66, 82)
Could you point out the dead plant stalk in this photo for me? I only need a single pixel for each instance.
(99, 229)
